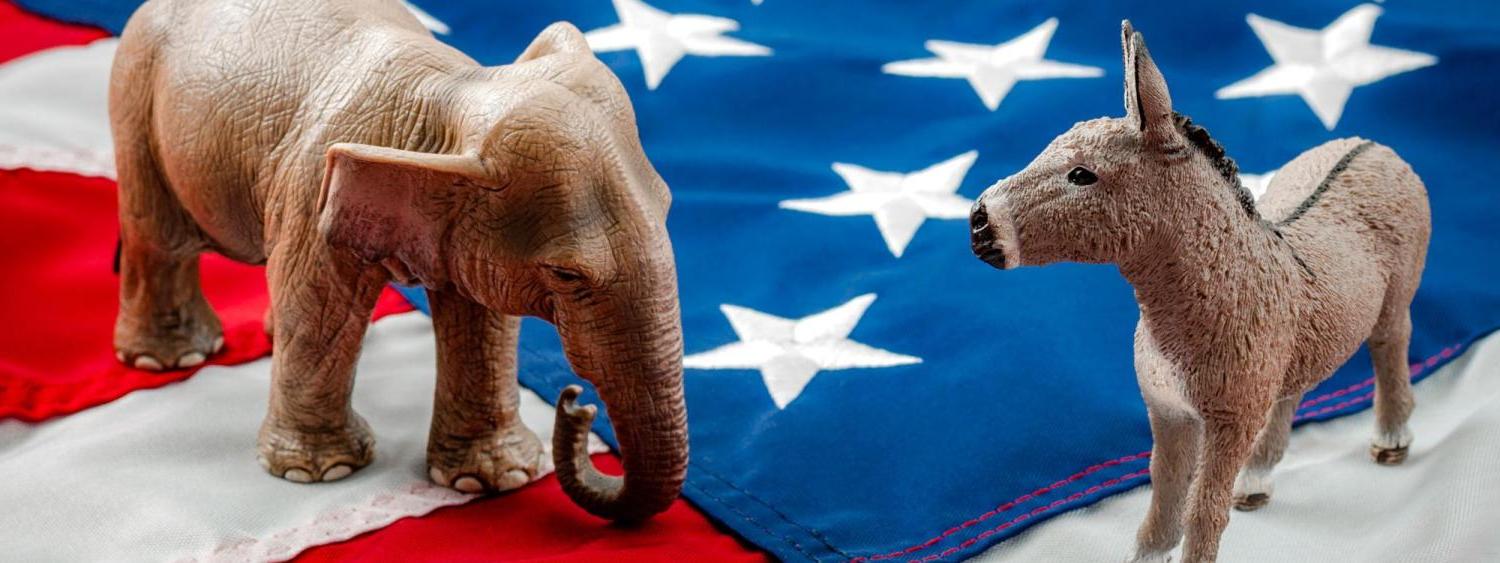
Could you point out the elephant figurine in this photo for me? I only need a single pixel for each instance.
(1245, 305)
(343, 146)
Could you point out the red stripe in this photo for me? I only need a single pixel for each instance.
(25, 33)
(538, 522)
(59, 298)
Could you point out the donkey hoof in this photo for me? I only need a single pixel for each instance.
(1388, 456)
(1250, 502)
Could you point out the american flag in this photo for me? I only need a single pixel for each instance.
(859, 387)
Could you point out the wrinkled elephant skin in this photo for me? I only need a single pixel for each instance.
(344, 147)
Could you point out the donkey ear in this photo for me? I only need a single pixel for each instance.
(384, 203)
(560, 37)
(1147, 102)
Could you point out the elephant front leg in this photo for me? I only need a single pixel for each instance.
(322, 308)
(478, 442)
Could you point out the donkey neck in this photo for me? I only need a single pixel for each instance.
(1217, 259)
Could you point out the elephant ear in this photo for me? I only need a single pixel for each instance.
(384, 203)
(560, 37)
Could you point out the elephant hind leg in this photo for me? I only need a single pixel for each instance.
(164, 321)
(477, 442)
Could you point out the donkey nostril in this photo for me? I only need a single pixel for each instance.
(979, 219)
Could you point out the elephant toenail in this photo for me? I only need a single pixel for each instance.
(218, 345)
(120, 355)
(337, 472)
(437, 476)
(190, 359)
(147, 362)
(297, 476)
(468, 485)
(512, 479)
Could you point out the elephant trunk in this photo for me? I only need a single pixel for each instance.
(638, 373)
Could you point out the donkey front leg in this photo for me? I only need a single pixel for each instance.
(323, 303)
(1252, 489)
(1174, 458)
(1226, 448)
(478, 442)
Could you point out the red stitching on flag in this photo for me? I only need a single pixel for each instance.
(1009, 505)
(1416, 369)
(1059, 503)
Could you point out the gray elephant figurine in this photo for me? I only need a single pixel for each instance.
(341, 145)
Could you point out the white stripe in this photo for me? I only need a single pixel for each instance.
(1331, 502)
(170, 473)
(53, 112)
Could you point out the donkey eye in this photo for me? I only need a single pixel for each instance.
(1081, 176)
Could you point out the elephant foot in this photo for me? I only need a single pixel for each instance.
(504, 460)
(314, 456)
(174, 340)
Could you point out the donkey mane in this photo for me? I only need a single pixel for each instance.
(1211, 148)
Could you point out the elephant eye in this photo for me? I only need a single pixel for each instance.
(566, 275)
(1081, 176)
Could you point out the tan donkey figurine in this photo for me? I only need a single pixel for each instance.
(1244, 306)
(341, 145)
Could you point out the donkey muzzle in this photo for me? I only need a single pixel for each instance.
(982, 236)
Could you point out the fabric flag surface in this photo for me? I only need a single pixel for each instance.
(859, 386)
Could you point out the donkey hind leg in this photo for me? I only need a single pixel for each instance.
(164, 321)
(1252, 488)
(1393, 397)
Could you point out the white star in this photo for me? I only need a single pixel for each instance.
(789, 352)
(900, 202)
(1257, 183)
(993, 69)
(1324, 66)
(661, 39)
(433, 24)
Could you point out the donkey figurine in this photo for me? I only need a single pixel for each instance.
(1244, 305)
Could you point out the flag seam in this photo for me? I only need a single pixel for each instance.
(1418, 370)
